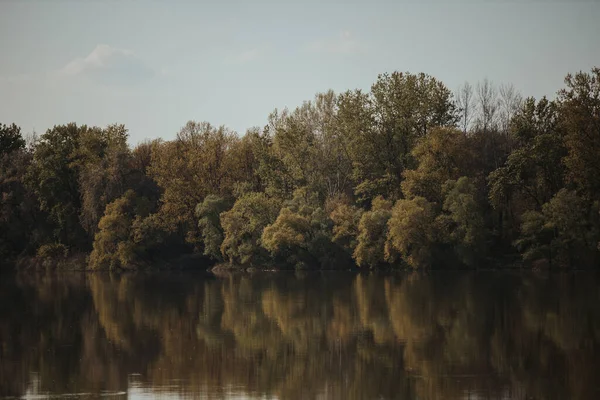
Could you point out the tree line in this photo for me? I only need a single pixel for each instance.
(408, 174)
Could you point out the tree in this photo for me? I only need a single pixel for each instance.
(534, 171)
(243, 162)
(23, 224)
(372, 233)
(346, 219)
(308, 144)
(463, 223)
(509, 104)
(443, 154)
(487, 102)
(301, 236)
(10, 139)
(113, 248)
(382, 127)
(465, 103)
(412, 232)
(243, 227)
(104, 165)
(188, 169)
(53, 178)
(565, 232)
(535, 239)
(140, 161)
(580, 114)
(288, 237)
(208, 213)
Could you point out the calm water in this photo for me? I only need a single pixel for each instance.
(291, 336)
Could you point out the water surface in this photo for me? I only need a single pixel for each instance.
(301, 336)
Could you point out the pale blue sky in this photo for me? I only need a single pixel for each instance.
(153, 65)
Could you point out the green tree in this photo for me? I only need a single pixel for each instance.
(105, 169)
(309, 148)
(24, 227)
(10, 138)
(346, 219)
(534, 170)
(580, 115)
(382, 127)
(243, 163)
(288, 238)
(113, 246)
(301, 235)
(243, 227)
(188, 169)
(412, 232)
(463, 222)
(535, 240)
(53, 178)
(372, 233)
(443, 154)
(565, 232)
(208, 213)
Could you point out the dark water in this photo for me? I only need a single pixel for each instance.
(289, 336)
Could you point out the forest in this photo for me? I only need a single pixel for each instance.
(407, 175)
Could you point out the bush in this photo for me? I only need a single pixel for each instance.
(52, 251)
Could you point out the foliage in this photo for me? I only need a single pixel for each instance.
(346, 218)
(463, 221)
(243, 227)
(202, 160)
(208, 213)
(533, 172)
(441, 155)
(301, 235)
(372, 233)
(382, 127)
(565, 233)
(288, 236)
(53, 178)
(52, 251)
(113, 245)
(10, 139)
(22, 221)
(412, 232)
(580, 106)
(104, 171)
(535, 240)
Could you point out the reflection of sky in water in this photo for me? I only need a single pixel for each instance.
(137, 389)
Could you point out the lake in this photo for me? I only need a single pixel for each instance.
(334, 335)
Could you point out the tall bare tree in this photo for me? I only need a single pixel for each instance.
(487, 98)
(509, 102)
(465, 101)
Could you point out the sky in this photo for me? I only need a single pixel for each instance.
(154, 65)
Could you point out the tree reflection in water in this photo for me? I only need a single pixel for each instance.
(298, 336)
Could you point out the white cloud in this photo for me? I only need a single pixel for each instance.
(109, 65)
(343, 43)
